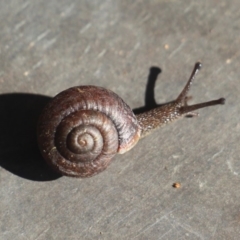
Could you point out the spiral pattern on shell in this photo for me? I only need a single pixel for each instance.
(82, 128)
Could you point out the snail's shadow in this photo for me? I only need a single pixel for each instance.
(19, 152)
(150, 101)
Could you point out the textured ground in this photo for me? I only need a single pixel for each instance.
(48, 46)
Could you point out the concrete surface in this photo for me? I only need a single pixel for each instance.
(48, 46)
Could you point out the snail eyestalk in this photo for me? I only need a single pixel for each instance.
(188, 109)
(182, 98)
(176, 109)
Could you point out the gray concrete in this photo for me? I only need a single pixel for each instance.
(48, 46)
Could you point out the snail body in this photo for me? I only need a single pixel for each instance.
(82, 128)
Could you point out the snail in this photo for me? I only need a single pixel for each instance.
(82, 128)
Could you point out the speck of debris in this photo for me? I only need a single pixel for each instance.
(176, 185)
(166, 46)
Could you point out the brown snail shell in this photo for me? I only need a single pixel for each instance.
(82, 128)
